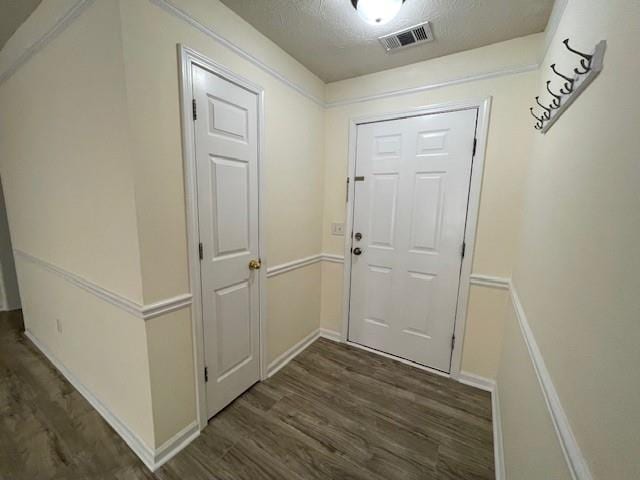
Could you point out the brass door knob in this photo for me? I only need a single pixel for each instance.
(255, 264)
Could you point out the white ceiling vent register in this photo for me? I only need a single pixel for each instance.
(408, 37)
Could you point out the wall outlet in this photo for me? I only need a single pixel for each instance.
(337, 228)
(59, 325)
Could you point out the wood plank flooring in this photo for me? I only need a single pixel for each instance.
(334, 412)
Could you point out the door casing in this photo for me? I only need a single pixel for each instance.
(187, 58)
(483, 105)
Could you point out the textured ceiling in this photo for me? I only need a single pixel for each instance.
(12, 14)
(330, 39)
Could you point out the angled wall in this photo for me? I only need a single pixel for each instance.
(576, 267)
(67, 176)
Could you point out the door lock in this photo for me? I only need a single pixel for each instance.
(358, 236)
(255, 264)
(357, 251)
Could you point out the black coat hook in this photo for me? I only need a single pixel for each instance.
(547, 112)
(585, 61)
(540, 121)
(556, 98)
(568, 85)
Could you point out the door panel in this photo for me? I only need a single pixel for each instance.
(226, 143)
(411, 210)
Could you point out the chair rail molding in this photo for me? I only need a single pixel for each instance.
(573, 454)
(144, 312)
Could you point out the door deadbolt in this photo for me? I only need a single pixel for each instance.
(358, 236)
(357, 251)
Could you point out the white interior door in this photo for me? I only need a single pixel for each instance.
(226, 144)
(410, 204)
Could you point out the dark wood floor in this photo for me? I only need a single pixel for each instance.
(334, 412)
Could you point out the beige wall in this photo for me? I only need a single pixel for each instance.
(576, 270)
(507, 149)
(293, 178)
(66, 172)
(65, 160)
(9, 294)
(94, 185)
(531, 447)
(293, 141)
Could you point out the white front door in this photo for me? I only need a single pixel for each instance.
(226, 144)
(411, 193)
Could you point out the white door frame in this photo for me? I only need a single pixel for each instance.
(188, 58)
(483, 105)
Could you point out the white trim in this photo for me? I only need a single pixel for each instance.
(489, 281)
(515, 70)
(63, 22)
(139, 447)
(559, 7)
(293, 265)
(573, 455)
(291, 353)
(145, 312)
(186, 59)
(332, 258)
(483, 107)
(77, 8)
(477, 381)
(489, 385)
(498, 445)
(184, 16)
(303, 262)
(175, 444)
(331, 335)
(168, 305)
(153, 459)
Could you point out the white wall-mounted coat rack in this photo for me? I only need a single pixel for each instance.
(589, 68)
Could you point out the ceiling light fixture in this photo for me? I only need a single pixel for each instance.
(377, 12)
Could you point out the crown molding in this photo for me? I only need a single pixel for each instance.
(501, 72)
(144, 312)
(63, 22)
(168, 6)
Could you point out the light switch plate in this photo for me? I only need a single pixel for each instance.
(337, 228)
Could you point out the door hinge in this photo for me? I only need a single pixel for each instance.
(200, 251)
(194, 108)
(475, 144)
(453, 341)
(206, 374)
(464, 247)
(347, 196)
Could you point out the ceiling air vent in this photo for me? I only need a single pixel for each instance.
(405, 38)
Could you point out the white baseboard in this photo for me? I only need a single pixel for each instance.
(153, 459)
(490, 386)
(290, 354)
(331, 335)
(473, 380)
(175, 444)
(498, 447)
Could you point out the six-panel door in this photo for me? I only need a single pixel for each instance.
(410, 210)
(226, 143)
